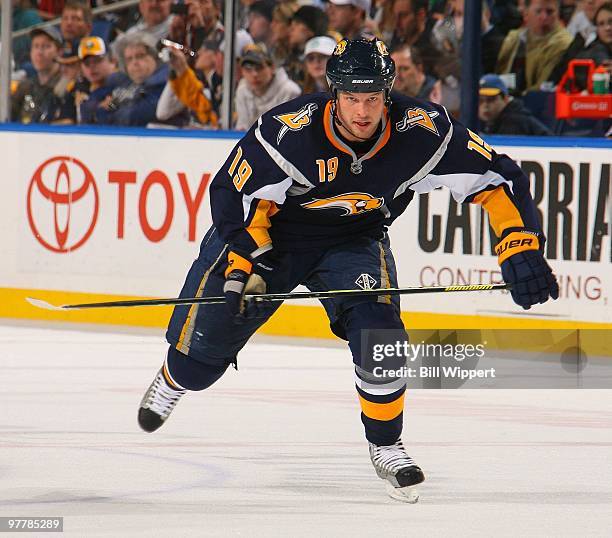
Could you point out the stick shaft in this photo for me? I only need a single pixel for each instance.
(331, 294)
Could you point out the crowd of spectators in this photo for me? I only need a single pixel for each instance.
(160, 63)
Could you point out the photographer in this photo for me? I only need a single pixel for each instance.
(194, 22)
(187, 89)
(135, 103)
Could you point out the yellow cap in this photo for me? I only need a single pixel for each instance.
(91, 46)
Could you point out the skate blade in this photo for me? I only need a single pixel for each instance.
(408, 494)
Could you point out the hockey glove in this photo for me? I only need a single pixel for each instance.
(241, 278)
(524, 267)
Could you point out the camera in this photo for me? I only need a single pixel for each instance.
(173, 44)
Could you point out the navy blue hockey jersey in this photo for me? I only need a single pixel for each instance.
(293, 184)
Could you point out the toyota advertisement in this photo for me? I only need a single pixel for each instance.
(123, 215)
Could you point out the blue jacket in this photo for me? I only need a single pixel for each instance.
(90, 106)
(135, 104)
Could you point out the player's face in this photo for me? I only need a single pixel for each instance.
(360, 113)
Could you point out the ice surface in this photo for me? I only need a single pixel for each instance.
(277, 449)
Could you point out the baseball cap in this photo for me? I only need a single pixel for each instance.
(50, 31)
(91, 46)
(491, 85)
(361, 4)
(255, 54)
(321, 44)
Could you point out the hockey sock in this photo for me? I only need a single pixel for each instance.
(382, 416)
(183, 372)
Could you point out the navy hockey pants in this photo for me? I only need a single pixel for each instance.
(209, 335)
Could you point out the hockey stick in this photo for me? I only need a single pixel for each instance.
(272, 296)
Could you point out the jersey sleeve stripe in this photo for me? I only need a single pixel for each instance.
(460, 185)
(258, 228)
(502, 212)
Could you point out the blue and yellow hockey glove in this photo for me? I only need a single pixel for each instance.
(241, 278)
(524, 267)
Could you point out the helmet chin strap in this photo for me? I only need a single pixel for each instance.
(340, 124)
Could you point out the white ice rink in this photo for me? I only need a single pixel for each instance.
(277, 449)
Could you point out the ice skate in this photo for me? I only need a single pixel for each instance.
(157, 403)
(400, 472)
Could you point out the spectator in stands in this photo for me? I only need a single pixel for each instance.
(259, 21)
(135, 103)
(306, 23)
(200, 24)
(348, 18)
(505, 15)
(101, 76)
(24, 16)
(76, 22)
(411, 78)
(499, 113)
(413, 27)
(70, 64)
(155, 19)
(279, 31)
(316, 53)
(601, 49)
(187, 90)
(592, 47)
(491, 41)
(582, 19)
(49, 9)
(40, 99)
(530, 53)
(262, 87)
(384, 19)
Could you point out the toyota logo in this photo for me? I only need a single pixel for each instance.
(62, 204)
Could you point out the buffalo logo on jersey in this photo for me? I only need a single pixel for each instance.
(352, 203)
(340, 47)
(418, 117)
(382, 48)
(295, 121)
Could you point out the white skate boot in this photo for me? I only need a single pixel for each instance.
(398, 469)
(157, 403)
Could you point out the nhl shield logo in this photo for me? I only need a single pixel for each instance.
(365, 282)
(295, 121)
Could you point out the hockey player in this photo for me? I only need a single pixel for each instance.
(306, 198)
